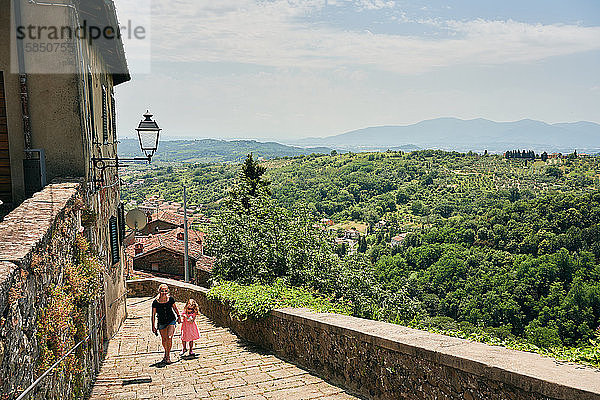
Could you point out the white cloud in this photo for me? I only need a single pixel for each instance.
(325, 78)
(276, 33)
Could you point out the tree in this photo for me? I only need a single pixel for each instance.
(263, 241)
(554, 172)
(251, 180)
(402, 197)
(514, 194)
(362, 244)
(252, 173)
(341, 249)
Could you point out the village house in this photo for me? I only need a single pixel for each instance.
(381, 224)
(398, 239)
(163, 254)
(327, 221)
(163, 221)
(154, 205)
(352, 234)
(57, 112)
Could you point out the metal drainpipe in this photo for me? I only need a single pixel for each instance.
(23, 83)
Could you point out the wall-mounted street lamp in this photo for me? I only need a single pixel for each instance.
(148, 132)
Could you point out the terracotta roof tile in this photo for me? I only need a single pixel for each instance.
(171, 218)
(169, 241)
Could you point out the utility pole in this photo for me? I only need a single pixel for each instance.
(185, 238)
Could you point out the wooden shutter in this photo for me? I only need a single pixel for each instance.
(104, 116)
(121, 220)
(115, 253)
(5, 179)
(91, 110)
(113, 111)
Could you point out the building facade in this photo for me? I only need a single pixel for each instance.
(57, 112)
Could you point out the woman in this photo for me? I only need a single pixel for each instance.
(165, 309)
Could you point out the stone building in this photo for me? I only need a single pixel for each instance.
(57, 111)
(163, 254)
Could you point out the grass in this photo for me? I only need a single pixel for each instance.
(360, 226)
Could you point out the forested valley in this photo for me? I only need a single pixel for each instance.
(505, 251)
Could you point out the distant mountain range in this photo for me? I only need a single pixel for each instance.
(464, 135)
(212, 150)
(441, 133)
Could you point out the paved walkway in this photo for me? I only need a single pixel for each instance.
(225, 367)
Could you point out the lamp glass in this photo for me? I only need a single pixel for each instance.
(148, 139)
(148, 132)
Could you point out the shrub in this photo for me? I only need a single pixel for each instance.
(256, 301)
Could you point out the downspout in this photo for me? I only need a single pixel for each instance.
(23, 83)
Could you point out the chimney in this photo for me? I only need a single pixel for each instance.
(139, 248)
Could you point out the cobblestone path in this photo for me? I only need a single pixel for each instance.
(225, 367)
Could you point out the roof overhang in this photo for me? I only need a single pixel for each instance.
(103, 13)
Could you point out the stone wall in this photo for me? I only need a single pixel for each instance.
(385, 361)
(171, 264)
(168, 262)
(37, 240)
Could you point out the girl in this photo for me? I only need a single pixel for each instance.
(164, 308)
(189, 330)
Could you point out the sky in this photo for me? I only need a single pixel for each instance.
(289, 69)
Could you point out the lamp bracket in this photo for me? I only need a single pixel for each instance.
(102, 163)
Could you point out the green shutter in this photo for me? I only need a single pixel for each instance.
(104, 116)
(115, 253)
(113, 110)
(121, 221)
(91, 105)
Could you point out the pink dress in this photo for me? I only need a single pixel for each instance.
(189, 330)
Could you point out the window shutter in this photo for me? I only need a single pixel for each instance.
(115, 253)
(113, 110)
(91, 104)
(121, 220)
(104, 115)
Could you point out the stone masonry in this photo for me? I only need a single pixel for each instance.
(385, 361)
(36, 242)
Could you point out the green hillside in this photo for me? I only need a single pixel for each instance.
(504, 251)
(211, 150)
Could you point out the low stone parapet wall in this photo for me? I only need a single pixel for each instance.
(37, 242)
(386, 361)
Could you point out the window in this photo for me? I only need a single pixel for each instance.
(115, 249)
(154, 266)
(104, 116)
